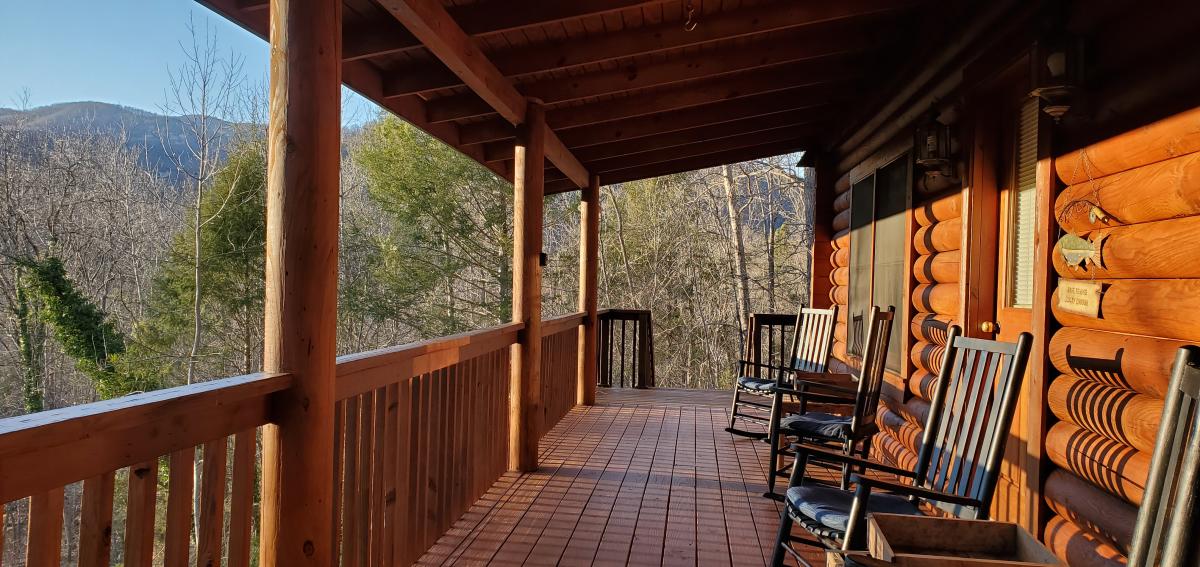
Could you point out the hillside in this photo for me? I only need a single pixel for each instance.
(157, 137)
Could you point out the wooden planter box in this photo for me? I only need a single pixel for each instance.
(922, 541)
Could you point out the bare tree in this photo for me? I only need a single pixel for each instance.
(203, 90)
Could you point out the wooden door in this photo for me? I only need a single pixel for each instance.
(1016, 191)
(999, 260)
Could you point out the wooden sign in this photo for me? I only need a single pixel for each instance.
(1080, 297)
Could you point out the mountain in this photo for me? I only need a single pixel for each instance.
(155, 136)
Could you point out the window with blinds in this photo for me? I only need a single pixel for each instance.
(862, 244)
(1022, 208)
(891, 200)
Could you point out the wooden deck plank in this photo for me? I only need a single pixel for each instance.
(645, 477)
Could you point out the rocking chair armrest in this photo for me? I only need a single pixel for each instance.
(820, 385)
(743, 363)
(817, 376)
(823, 454)
(815, 397)
(917, 491)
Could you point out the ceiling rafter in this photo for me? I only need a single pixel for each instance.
(805, 81)
(437, 30)
(689, 164)
(778, 50)
(562, 54)
(494, 17)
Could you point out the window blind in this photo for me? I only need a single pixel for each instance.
(1023, 208)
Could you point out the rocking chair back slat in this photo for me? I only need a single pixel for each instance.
(813, 339)
(970, 416)
(1164, 535)
(870, 382)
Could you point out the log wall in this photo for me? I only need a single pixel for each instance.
(839, 277)
(935, 298)
(1136, 198)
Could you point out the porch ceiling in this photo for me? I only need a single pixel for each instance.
(630, 91)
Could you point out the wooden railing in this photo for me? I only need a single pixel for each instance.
(421, 431)
(768, 340)
(626, 349)
(127, 442)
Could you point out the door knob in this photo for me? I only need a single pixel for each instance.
(989, 327)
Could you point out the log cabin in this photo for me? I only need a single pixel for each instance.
(1004, 166)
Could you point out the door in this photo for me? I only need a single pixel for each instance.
(1014, 286)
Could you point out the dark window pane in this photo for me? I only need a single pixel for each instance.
(862, 211)
(891, 200)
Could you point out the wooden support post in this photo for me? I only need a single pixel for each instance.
(525, 410)
(819, 265)
(589, 263)
(300, 329)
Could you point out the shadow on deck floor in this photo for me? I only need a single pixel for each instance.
(644, 477)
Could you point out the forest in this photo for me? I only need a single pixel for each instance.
(122, 274)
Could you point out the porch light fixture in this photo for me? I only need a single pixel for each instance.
(933, 144)
(1057, 73)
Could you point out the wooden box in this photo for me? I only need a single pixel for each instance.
(921, 541)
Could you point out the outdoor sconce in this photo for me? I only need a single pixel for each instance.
(1057, 74)
(934, 144)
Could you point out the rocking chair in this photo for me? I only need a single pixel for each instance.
(957, 467)
(1165, 532)
(808, 353)
(849, 432)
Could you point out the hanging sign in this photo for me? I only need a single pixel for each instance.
(1081, 297)
(1079, 251)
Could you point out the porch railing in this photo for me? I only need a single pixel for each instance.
(626, 348)
(768, 339)
(421, 431)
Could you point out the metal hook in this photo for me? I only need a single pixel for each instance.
(690, 24)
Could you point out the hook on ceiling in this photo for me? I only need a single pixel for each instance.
(690, 23)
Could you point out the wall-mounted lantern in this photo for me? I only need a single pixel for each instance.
(934, 144)
(1058, 64)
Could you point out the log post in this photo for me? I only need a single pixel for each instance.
(589, 262)
(819, 266)
(303, 160)
(525, 410)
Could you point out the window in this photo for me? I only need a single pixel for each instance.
(1022, 209)
(891, 201)
(862, 241)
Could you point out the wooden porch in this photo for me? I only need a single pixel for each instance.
(644, 477)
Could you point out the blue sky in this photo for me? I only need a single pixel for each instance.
(116, 51)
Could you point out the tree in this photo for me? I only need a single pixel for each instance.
(204, 88)
(445, 265)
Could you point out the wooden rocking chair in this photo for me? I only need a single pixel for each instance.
(957, 466)
(850, 433)
(1165, 532)
(809, 351)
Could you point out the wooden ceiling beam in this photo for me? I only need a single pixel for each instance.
(680, 137)
(797, 120)
(687, 164)
(569, 52)
(776, 51)
(429, 22)
(801, 80)
(487, 19)
(623, 131)
(366, 80)
(699, 148)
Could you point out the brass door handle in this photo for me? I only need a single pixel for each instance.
(989, 327)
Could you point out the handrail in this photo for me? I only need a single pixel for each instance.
(50, 449)
(564, 323)
(362, 372)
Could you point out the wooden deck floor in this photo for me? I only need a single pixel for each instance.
(645, 477)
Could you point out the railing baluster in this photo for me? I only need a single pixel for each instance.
(241, 500)
(95, 521)
(212, 503)
(44, 547)
(180, 478)
(139, 518)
